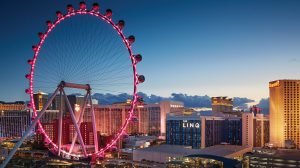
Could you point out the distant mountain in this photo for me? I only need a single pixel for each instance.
(188, 100)
(110, 98)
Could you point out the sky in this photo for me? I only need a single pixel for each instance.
(198, 47)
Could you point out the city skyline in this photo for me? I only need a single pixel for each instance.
(255, 42)
(150, 83)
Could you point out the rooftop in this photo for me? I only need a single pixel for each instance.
(217, 150)
(16, 102)
(291, 154)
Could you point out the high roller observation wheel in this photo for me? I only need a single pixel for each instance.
(94, 12)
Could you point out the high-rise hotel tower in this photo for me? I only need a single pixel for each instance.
(284, 112)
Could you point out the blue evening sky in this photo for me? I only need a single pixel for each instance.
(198, 47)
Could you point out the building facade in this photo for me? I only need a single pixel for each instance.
(232, 131)
(149, 119)
(12, 106)
(40, 99)
(284, 112)
(256, 129)
(14, 123)
(247, 119)
(261, 128)
(86, 131)
(221, 105)
(218, 130)
(184, 131)
(110, 118)
(204, 131)
(169, 107)
(212, 128)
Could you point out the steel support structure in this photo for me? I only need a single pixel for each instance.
(94, 123)
(63, 96)
(60, 121)
(26, 134)
(75, 123)
(79, 122)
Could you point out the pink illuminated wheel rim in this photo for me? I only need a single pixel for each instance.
(37, 79)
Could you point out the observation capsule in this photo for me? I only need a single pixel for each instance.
(138, 58)
(27, 76)
(27, 91)
(41, 35)
(121, 24)
(82, 6)
(29, 105)
(49, 23)
(96, 7)
(70, 8)
(141, 78)
(30, 61)
(108, 13)
(34, 48)
(131, 39)
(59, 14)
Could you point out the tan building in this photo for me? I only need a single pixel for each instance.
(255, 129)
(261, 130)
(14, 123)
(40, 99)
(247, 127)
(221, 105)
(150, 118)
(12, 106)
(172, 107)
(284, 112)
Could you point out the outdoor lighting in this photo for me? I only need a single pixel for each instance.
(77, 107)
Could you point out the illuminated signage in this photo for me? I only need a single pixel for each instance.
(274, 84)
(187, 124)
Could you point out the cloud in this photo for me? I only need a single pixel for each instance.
(241, 102)
(192, 101)
(188, 100)
(264, 105)
(294, 60)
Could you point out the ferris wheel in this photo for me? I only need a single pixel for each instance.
(82, 52)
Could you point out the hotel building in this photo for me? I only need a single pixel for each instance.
(221, 105)
(256, 129)
(12, 106)
(217, 130)
(169, 107)
(212, 128)
(184, 130)
(68, 130)
(14, 123)
(284, 112)
(204, 131)
(150, 118)
(261, 129)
